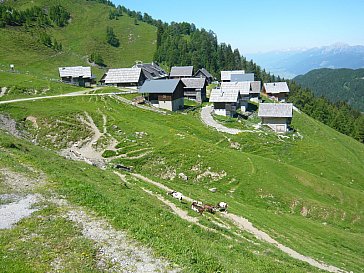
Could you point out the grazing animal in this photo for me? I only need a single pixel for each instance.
(209, 208)
(176, 194)
(222, 206)
(197, 207)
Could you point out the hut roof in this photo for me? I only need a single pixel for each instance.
(277, 110)
(75, 71)
(276, 87)
(181, 71)
(122, 75)
(226, 75)
(220, 95)
(196, 83)
(160, 86)
(152, 70)
(204, 72)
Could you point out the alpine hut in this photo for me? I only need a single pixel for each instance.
(165, 94)
(277, 116)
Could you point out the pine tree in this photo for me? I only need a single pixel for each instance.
(111, 37)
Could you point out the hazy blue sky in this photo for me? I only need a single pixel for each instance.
(265, 25)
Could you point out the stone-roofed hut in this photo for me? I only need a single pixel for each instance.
(77, 75)
(178, 72)
(124, 77)
(226, 102)
(276, 90)
(195, 89)
(226, 75)
(277, 116)
(165, 94)
(152, 71)
(203, 73)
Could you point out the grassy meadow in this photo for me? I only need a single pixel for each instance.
(306, 191)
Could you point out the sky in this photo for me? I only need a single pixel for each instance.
(265, 25)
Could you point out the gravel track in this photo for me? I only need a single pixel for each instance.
(246, 225)
(12, 213)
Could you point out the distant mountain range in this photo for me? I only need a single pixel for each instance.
(336, 85)
(289, 64)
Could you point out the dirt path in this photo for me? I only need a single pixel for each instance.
(246, 225)
(117, 253)
(73, 94)
(3, 91)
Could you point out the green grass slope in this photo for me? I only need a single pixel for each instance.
(336, 85)
(85, 34)
(307, 192)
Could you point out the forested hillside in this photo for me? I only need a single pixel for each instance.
(336, 85)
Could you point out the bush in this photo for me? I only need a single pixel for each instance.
(97, 59)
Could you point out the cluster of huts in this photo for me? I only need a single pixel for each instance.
(168, 91)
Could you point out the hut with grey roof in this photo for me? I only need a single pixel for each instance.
(226, 75)
(195, 89)
(247, 77)
(165, 94)
(226, 101)
(124, 77)
(178, 72)
(203, 73)
(255, 89)
(277, 116)
(152, 71)
(276, 90)
(77, 75)
(249, 90)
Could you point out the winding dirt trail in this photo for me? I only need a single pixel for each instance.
(73, 94)
(207, 118)
(246, 225)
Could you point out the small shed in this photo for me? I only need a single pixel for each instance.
(277, 116)
(77, 75)
(226, 102)
(165, 94)
(124, 77)
(195, 89)
(226, 75)
(276, 90)
(152, 71)
(203, 73)
(178, 72)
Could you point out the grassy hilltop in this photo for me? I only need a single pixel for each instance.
(85, 34)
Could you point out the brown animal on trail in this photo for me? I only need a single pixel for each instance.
(209, 208)
(197, 207)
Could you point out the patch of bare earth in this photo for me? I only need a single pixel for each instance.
(116, 252)
(9, 125)
(87, 150)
